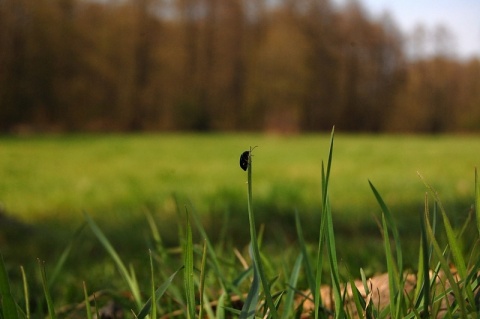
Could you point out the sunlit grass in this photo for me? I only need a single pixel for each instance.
(63, 175)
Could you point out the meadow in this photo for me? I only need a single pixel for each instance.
(124, 182)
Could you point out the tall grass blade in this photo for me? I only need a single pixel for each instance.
(188, 278)
(26, 293)
(158, 294)
(9, 307)
(129, 279)
(48, 297)
(321, 237)
(258, 265)
(391, 223)
(303, 249)
(288, 308)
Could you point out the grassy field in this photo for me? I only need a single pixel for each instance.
(59, 177)
(47, 183)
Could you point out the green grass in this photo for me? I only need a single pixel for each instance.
(199, 276)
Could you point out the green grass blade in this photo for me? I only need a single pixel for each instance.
(321, 238)
(392, 272)
(303, 249)
(255, 245)
(202, 278)
(392, 224)
(220, 314)
(288, 308)
(48, 297)
(9, 307)
(130, 280)
(88, 309)
(63, 257)
(158, 294)
(188, 278)
(26, 293)
(153, 312)
(250, 305)
(334, 273)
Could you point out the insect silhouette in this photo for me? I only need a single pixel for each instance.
(244, 160)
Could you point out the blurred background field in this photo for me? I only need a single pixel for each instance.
(48, 182)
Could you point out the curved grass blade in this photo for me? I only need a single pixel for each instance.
(130, 279)
(158, 294)
(63, 257)
(9, 307)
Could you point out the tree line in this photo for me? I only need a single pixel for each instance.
(226, 65)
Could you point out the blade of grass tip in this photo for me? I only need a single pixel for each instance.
(477, 200)
(322, 232)
(158, 294)
(156, 236)
(254, 242)
(48, 297)
(391, 223)
(220, 314)
(131, 282)
(26, 292)
(188, 270)
(202, 278)
(288, 308)
(7, 302)
(458, 259)
(303, 249)
(446, 269)
(88, 309)
(360, 304)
